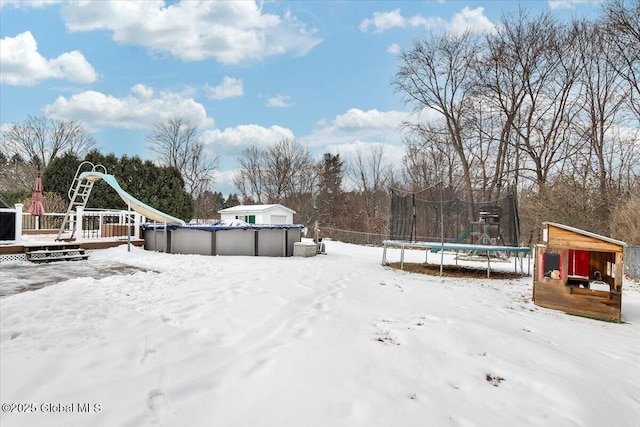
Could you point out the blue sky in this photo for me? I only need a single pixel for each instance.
(246, 73)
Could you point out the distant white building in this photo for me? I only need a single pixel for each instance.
(259, 214)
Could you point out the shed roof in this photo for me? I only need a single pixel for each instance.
(254, 208)
(586, 233)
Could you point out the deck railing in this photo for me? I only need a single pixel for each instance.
(48, 221)
(93, 224)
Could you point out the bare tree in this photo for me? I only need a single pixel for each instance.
(603, 95)
(429, 160)
(282, 173)
(288, 170)
(15, 173)
(437, 73)
(544, 104)
(40, 140)
(371, 175)
(622, 20)
(544, 122)
(510, 55)
(176, 143)
(248, 178)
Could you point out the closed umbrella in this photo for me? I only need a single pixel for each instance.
(37, 209)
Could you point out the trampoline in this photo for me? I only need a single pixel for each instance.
(440, 246)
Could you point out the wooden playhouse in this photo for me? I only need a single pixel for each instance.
(578, 272)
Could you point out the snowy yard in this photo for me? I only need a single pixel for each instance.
(335, 340)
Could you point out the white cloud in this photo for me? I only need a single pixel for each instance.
(142, 91)
(229, 31)
(372, 119)
(31, 3)
(224, 181)
(393, 153)
(383, 21)
(365, 126)
(394, 49)
(138, 111)
(358, 125)
(570, 4)
(243, 136)
(23, 65)
(280, 101)
(466, 19)
(229, 88)
(344, 134)
(471, 19)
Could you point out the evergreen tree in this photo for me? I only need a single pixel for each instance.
(58, 176)
(159, 187)
(232, 200)
(328, 201)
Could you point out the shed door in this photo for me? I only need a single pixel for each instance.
(278, 219)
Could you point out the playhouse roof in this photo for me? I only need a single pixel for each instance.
(579, 243)
(254, 208)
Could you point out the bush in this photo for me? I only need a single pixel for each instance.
(625, 221)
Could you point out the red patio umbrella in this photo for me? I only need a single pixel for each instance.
(36, 208)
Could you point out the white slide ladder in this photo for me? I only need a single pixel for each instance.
(78, 195)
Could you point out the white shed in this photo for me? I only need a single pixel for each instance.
(259, 214)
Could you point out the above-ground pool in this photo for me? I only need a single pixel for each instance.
(248, 240)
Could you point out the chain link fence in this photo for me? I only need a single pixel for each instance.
(632, 262)
(355, 237)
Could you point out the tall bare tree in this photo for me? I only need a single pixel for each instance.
(622, 19)
(288, 170)
(429, 160)
(544, 125)
(510, 54)
(248, 178)
(437, 73)
(39, 139)
(282, 173)
(603, 94)
(176, 143)
(371, 175)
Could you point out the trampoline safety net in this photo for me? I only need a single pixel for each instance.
(458, 216)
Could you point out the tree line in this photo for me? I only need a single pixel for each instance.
(546, 107)
(176, 183)
(549, 107)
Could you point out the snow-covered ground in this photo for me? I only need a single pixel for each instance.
(335, 340)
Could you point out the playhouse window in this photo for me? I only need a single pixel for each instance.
(611, 269)
(551, 265)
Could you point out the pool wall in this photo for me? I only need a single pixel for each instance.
(274, 241)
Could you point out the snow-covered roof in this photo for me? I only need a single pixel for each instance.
(254, 208)
(586, 233)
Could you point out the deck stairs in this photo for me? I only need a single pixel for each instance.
(78, 196)
(55, 252)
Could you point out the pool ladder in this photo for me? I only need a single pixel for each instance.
(78, 193)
